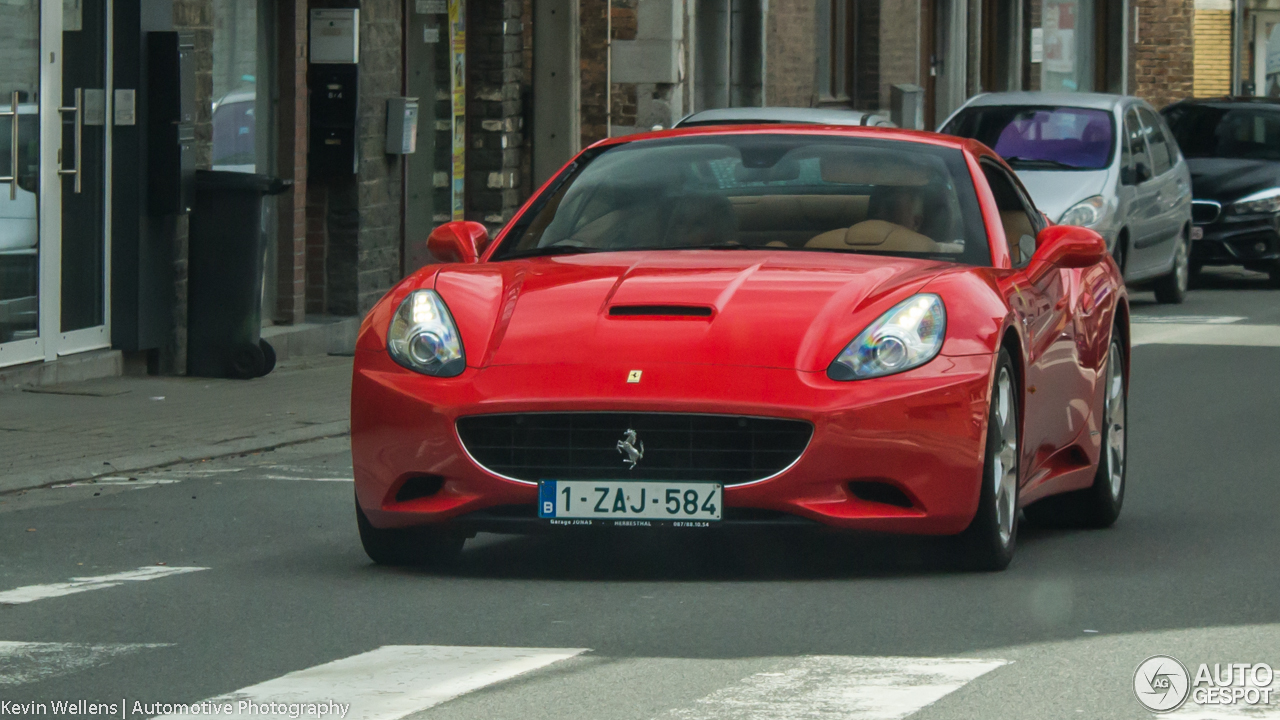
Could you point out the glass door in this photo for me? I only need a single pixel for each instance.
(19, 182)
(83, 167)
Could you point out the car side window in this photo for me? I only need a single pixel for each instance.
(1019, 221)
(1160, 154)
(1136, 144)
(1175, 152)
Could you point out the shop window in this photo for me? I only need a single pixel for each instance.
(237, 71)
(1069, 53)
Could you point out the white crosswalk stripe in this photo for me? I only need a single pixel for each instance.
(848, 688)
(392, 681)
(1206, 334)
(31, 593)
(25, 662)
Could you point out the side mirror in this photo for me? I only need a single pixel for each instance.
(459, 241)
(1067, 246)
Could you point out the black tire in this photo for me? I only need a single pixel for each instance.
(1171, 289)
(1273, 277)
(247, 362)
(420, 547)
(1194, 271)
(1121, 252)
(989, 542)
(268, 357)
(1097, 506)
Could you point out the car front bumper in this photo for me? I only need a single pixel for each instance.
(1244, 241)
(923, 432)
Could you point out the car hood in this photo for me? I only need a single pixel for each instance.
(1055, 191)
(783, 309)
(1229, 179)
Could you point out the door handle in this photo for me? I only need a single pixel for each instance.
(12, 178)
(78, 109)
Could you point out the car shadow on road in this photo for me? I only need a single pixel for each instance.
(702, 556)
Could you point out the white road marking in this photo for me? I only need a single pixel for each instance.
(1199, 334)
(396, 680)
(308, 479)
(1185, 319)
(31, 593)
(133, 482)
(24, 662)
(823, 687)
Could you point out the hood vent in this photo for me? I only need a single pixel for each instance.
(660, 311)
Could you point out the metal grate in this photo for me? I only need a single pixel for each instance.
(728, 449)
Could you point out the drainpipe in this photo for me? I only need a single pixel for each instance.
(1237, 38)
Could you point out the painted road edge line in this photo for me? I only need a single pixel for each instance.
(31, 593)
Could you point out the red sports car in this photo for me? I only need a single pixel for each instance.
(849, 328)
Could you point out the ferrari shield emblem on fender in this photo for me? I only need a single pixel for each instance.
(633, 376)
(632, 448)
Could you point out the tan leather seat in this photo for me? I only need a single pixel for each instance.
(875, 235)
(1019, 233)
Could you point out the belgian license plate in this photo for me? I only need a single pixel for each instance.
(614, 500)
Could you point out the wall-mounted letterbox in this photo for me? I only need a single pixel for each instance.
(402, 125)
(335, 36)
(334, 102)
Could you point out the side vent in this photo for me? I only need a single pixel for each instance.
(660, 311)
(879, 492)
(419, 487)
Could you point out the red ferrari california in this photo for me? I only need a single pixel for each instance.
(847, 328)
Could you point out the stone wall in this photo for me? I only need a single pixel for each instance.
(790, 34)
(495, 118)
(593, 74)
(899, 46)
(1162, 67)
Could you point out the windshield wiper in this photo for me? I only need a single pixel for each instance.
(550, 250)
(1044, 162)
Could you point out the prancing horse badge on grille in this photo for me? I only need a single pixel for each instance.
(634, 376)
(631, 447)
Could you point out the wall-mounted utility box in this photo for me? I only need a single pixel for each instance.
(334, 102)
(906, 106)
(335, 36)
(171, 116)
(402, 125)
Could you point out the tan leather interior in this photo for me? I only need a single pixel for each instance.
(1017, 226)
(793, 219)
(876, 235)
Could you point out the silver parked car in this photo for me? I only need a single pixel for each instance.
(780, 115)
(1106, 162)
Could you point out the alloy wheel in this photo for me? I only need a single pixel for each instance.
(1115, 415)
(1005, 475)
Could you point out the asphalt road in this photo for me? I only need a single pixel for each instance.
(252, 574)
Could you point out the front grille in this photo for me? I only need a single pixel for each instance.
(728, 449)
(1204, 212)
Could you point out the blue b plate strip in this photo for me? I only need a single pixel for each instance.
(547, 499)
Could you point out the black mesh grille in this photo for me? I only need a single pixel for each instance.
(584, 446)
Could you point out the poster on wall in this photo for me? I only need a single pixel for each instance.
(1059, 25)
(458, 93)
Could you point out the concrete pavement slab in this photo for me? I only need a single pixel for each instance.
(121, 425)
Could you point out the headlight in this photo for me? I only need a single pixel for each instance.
(907, 336)
(1086, 213)
(422, 336)
(1266, 201)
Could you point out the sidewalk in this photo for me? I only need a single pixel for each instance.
(118, 425)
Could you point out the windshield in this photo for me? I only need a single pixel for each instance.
(742, 191)
(1228, 132)
(1040, 138)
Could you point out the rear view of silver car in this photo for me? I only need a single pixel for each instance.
(1106, 162)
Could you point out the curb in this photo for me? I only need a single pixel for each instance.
(151, 461)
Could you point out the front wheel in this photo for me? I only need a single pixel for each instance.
(1098, 505)
(988, 543)
(411, 546)
(1273, 276)
(1172, 288)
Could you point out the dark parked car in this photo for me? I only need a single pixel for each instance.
(1233, 148)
